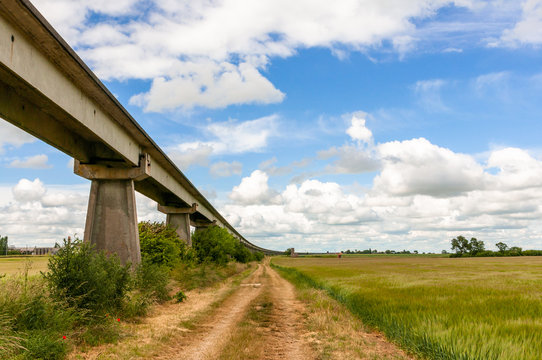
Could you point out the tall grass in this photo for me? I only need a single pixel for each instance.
(438, 308)
(32, 325)
(77, 303)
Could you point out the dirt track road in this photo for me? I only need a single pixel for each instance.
(283, 340)
(259, 318)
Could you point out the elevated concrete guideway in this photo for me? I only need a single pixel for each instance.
(47, 90)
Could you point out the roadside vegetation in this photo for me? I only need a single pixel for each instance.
(84, 296)
(437, 308)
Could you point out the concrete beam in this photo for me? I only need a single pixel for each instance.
(100, 172)
(178, 210)
(36, 71)
(198, 224)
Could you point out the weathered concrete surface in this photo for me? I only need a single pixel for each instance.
(181, 223)
(112, 219)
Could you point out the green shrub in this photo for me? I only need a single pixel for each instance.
(31, 323)
(161, 245)
(214, 244)
(87, 279)
(152, 281)
(242, 254)
(258, 256)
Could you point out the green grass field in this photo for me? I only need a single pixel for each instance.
(439, 308)
(16, 264)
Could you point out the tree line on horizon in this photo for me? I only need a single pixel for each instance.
(461, 247)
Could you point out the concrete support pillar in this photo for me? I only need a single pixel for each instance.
(112, 219)
(181, 223)
(179, 218)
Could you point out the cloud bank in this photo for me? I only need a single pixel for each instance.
(215, 53)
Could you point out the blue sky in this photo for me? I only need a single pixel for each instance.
(382, 124)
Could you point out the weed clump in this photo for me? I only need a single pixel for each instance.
(180, 296)
(87, 279)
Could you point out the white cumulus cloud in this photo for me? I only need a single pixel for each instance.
(185, 157)
(358, 131)
(211, 86)
(254, 189)
(32, 162)
(27, 191)
(418, 167)
(214, 54)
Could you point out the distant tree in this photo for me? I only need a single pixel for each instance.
(460, 245)
(476, 246)
(3, 245)
(502, 247)
(444, 252)
(463, 246)
(515, 251)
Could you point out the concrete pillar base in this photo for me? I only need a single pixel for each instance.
(112, 219)
(181, 223)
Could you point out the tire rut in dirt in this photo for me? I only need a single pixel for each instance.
(286, 338)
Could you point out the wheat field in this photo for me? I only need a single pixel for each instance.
(439, 308)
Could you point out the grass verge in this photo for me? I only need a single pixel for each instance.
(335, 333)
